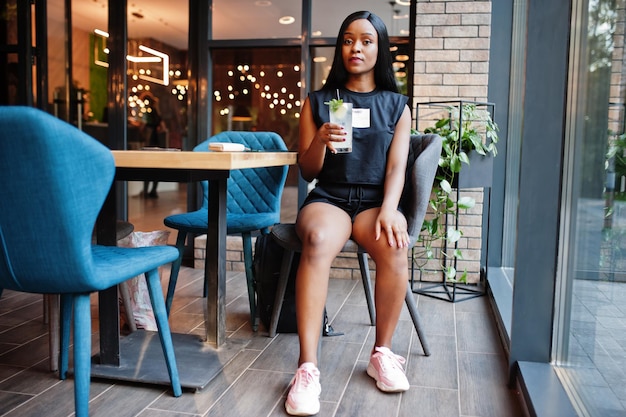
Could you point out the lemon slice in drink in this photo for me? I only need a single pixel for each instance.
(340, 111)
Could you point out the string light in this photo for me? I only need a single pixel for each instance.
(245, 81)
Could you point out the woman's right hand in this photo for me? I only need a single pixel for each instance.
(329, 133)
(313, 142)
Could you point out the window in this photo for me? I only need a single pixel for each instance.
(591, 324)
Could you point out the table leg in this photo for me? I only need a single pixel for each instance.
(107, 300)
(215, 264)
(142, 359)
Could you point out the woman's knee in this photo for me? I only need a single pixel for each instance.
(314, 236)
(390, 258)
(323, 226)
(323, 240)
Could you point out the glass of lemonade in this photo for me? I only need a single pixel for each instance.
(343, 116)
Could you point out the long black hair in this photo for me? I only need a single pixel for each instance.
(383, 70)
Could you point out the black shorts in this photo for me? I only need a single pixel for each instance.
(353, 199)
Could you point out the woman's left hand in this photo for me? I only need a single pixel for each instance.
(393, 224)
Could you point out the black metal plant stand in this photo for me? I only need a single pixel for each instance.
(454, 291)
(477, 175)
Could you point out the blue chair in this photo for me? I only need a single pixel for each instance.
(253, 204)
(55, 181)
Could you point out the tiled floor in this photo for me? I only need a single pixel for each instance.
(466, 375)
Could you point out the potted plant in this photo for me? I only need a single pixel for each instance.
(469, 143)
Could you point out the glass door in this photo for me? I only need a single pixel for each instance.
(590, 345)
(23, 53)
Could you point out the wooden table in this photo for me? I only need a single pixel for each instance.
(198, 360)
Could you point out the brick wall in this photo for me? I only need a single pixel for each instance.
(452, 50)
(452, 63)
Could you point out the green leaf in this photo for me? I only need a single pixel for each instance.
(466, 202)
(453, 235)
(464, 158)
(455, 164)
(442, 122)
(334, 104)
(434, 230)
(445, 186)
(450, 273)
(458, 253)
(477, 142)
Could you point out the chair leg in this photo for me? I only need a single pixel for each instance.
(415, 316)
(46, 309)
(247, 259)
(67, 303)
(160, 314)
(410, 302)
(53, 306)
(367, 286)
(82, 353)
(171, 287)
(281, 288)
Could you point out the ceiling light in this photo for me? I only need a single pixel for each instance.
(402, 57)
(319, 59)
(132, 58)
(403, 2)
(286, 20)
(165, 80)
(263, 3)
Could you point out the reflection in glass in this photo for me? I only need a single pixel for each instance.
(592, 354)
(157, 84)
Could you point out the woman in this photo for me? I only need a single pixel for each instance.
(357, 195)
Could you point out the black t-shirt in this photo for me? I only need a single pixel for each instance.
(372, 132)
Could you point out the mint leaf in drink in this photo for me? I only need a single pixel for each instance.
(335, 104)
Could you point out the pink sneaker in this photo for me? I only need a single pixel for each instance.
(386, 368)
(304, 395)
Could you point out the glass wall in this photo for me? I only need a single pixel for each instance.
(590, 349)
(257, 89)
(157, 74)
(9, 61)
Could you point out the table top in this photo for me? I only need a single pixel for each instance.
(202, 160)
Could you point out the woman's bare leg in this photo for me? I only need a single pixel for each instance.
(323, 230)
(392, 274)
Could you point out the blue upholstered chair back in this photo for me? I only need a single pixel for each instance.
(251, 191)
(54, 181)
